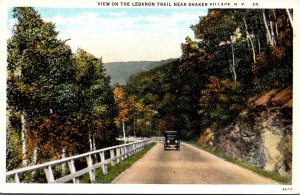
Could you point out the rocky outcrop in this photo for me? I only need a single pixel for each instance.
(262, 134)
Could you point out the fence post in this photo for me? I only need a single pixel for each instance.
(118, 155)
(129, 150)
(91, 172)
(133, 148)
(104, 166)
(139, 147)
(73, 170)
(49, 174)
(16, 178)
(122, 153)
(112, 155)
(125, 152)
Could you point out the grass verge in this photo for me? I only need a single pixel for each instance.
(270, 174)
(114, 171)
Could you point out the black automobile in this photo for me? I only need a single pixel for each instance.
(171, 140)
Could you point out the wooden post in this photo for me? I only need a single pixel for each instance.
(73, 170)
(130, 150)
(16, 178)
(112, 155)
(139, 146)
(121, 153)
(91, 172)
(124, 152)
(134, 148)
(49, 174)
(118, 155)
(104, 166)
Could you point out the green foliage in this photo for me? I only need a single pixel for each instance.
(121, 71)
(97, 106)
(63, 97)
(67, 99)
(230, 59)
(13, 137)
(221, 102)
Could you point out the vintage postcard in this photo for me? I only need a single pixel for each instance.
(150, 97)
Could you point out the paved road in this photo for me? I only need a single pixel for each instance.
(187, 166)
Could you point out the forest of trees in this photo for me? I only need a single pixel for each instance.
(58, 103)
(235, 53)
(61, 103)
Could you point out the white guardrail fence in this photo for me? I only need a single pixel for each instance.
(95, 159)
(134, 139)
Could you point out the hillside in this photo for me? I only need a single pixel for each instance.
(121, 71)
(262, 133)
(229, 91)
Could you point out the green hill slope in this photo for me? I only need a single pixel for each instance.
(121, 71)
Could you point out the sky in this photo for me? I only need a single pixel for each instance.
(119, 34)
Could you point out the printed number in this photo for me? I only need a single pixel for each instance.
(255, 4)
(287, 189)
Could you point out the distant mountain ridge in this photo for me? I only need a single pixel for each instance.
(121, 71)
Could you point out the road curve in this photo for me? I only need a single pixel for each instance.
(190, 165)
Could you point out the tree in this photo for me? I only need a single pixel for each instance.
(290, 16)
(97, 108)
(123, 107)
(230, 58)
(61, 99)
(37, 61)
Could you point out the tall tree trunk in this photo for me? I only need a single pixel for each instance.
(90, 140)
(251, 41)
(232, 67)
(123, 124)
(276, 29)
(258, 45)
(94, 142)
(94, 146)
(24, 139)
(269, 38)
(272, 32)
(275, 22)
(134, 126)
(64, 165)
(35, 155)
(290, 17)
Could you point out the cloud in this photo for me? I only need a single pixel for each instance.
(117, 14)
(10, 25)
(124, 36)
